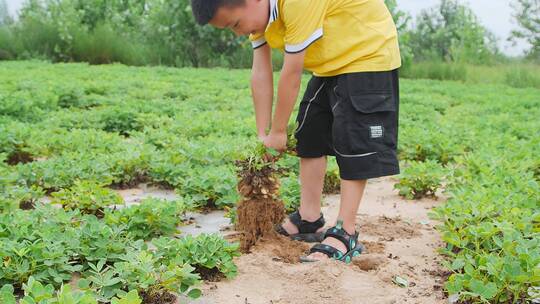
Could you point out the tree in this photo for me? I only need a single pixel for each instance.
(4, 13)
(402, 20)
(451, 31)
(527, 16)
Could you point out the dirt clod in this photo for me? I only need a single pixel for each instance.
(157, 296)
(369, 262)
(256, 219)
(260, 209)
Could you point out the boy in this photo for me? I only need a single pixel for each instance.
(349, 109)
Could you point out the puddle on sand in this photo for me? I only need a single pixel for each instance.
(211, 222)
(134, 196)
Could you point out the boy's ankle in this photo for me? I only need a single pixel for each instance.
(350, 228)
(310, 216)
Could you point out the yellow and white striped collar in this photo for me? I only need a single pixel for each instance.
(274, 11)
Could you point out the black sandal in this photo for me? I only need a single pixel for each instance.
(349, 240)
(307, 231)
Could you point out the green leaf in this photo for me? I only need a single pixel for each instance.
(131, 297)
(454, 286)
(486, 291)
(458, 264)
(83, 283)
(6, 295)
(194, 293)
(183, 287)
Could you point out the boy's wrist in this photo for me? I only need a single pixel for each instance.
(278, 130)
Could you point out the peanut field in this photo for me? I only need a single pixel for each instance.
(73, 134)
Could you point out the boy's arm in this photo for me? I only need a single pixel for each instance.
(262, 88)
(288, 87)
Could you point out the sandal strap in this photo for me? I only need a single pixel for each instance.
(305, 226)
(337, 232)
(281, 230)
(325, 249)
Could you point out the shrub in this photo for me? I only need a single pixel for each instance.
(290, 191)
(151, 218)
(420, 179)
(87, 196)
(436, 70)
(522, 78)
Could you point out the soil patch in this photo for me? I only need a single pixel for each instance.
(27, 205)
(395, 247)
(370, 262)
(389, 228)
(19, 157)
(373, 247)
(282, 248)
(209, 275)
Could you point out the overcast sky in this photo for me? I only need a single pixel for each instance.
(496, 15)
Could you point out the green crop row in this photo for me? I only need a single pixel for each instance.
(109, 256)
(184, 128)
(480, 143)
(37, 293)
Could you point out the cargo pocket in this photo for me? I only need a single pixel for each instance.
(369, 103)
(368, 115)
(373, 121)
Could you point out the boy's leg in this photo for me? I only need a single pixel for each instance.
(351, 195)
(313, 133)
(312, 171)
(364, 138)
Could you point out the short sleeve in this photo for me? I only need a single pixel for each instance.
(303, 20)
(257, 40)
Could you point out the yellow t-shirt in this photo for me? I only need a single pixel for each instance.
(339, 36)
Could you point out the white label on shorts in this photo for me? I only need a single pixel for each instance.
(376, 131)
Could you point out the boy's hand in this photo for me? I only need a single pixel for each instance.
(276, 140)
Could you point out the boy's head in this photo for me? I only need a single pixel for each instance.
(243, 17)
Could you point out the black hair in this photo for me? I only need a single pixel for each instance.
(205, 10)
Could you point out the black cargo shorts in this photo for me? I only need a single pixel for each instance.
(353, 117)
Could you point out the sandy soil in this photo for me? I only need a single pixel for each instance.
(400, 240)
